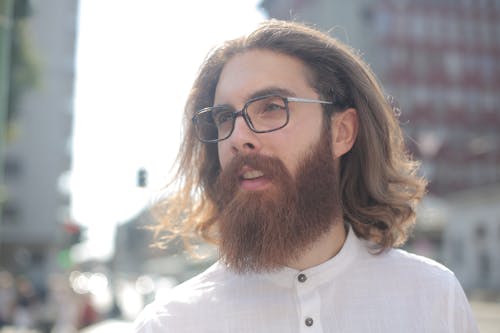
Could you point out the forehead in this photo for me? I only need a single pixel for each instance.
(245, 74)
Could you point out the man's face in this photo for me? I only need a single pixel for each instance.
(277, 192)
(259, 72)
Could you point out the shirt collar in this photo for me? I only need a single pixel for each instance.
(287, 277)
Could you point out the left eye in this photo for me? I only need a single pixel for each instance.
(273, 107)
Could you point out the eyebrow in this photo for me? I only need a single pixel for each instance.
(272, 91)
(263, 92)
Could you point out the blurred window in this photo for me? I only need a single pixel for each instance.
(437, 100)
(452, 65)
(489, 100)
(468, 31)
(10, 213)
(454, 30)
(484, 268)
(498, 226)
(418, 30)
(398, 57)
(12, 167)
(476, 99)
(400, 25)
(488, 67)
(457, 250)
(382, 23)
(435, 25)
(487, 32)
(480, 231)
(422, 96)
(420, 64)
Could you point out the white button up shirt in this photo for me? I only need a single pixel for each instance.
(355, 291)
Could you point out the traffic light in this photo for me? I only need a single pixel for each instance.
(142, 178)
(71, 235)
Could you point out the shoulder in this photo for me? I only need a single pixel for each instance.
(415, 264)
(411, 273)
(436, 287)
(401, 261)
(181, 302)
(397, 280)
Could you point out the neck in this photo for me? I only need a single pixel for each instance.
(323, 249)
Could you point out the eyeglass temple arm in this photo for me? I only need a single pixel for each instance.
(307, 100)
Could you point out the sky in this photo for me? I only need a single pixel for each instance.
(136, 61)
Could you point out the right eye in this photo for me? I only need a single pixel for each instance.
(220, 117)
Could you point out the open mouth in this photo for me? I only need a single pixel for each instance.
(253, 180)
(252, 174)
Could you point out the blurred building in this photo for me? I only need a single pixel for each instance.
(439, 60)
(135, 254)
(132, 245)
(36, 155)
(472, 244)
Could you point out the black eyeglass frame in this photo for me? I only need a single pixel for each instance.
(248, 121)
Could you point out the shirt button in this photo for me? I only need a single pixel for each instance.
(309, 322)
(302, 278)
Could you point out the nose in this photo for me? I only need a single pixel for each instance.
(243, 139)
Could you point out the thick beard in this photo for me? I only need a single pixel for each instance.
(262, 231)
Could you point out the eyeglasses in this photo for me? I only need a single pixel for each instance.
(262, 115)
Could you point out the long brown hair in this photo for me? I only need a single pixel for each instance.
(379, 187)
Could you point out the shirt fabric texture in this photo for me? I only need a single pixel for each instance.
(355, 291)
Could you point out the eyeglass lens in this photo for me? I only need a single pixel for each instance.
(263, 115)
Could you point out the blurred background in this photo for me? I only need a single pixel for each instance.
(91, 94)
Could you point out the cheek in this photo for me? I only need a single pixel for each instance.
(295, 147)
(289, 150)
(224, 152)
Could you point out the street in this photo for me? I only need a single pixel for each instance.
(487, 316)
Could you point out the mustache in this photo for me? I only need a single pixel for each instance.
(228, 181)
(271, 166)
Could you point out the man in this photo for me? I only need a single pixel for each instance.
(293, 164)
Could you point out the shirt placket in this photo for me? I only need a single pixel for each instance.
(309, 304)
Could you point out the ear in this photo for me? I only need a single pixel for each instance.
(344, 131)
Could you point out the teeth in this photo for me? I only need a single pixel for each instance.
(253, 174)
